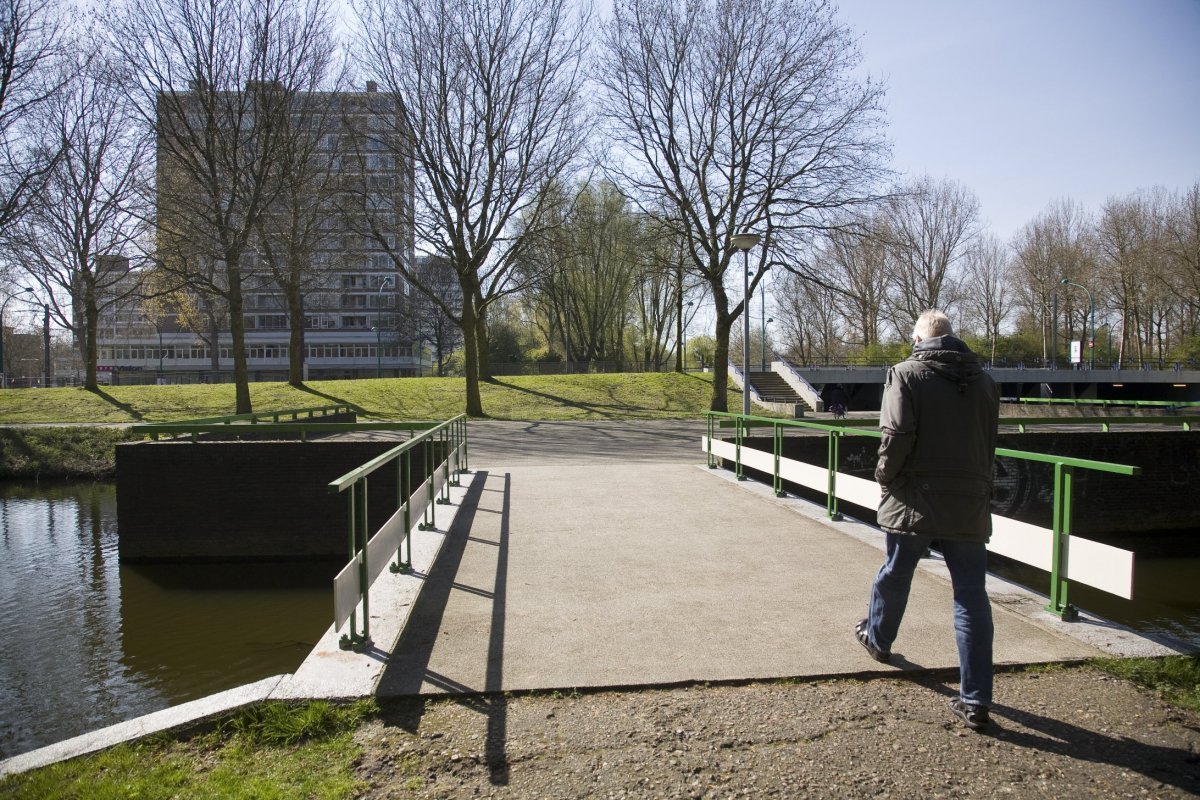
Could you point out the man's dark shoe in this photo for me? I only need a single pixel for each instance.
(973, 716)
(860, 633)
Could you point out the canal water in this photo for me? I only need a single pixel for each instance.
(88, 642)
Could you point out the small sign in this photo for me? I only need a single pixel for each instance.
(1076, 352)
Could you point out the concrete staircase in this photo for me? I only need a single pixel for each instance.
(773, 388)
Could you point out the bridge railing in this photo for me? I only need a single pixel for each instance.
(1102, 566)
(443, 457)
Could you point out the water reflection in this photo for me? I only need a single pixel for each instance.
(89, 642)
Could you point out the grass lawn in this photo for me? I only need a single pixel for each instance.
(528, 397)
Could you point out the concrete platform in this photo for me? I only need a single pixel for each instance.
(659, 573)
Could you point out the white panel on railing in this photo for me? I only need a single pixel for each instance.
(1102, 566)
(419, 502)
(345, 593)
(1108, 568)
(383, 545)
(858, 490)
(1020, 541)
(439, 479)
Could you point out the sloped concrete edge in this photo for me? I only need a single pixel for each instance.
(189, 713)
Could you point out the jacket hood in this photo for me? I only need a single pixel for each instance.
(949, 358)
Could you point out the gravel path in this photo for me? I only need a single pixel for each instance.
(1063, 732)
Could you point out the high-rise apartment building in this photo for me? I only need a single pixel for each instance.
(326, 243)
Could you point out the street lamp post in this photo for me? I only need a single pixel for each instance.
(387, 281)
(683, 345)
(3, 308)
(1092, 313)
(743, 242)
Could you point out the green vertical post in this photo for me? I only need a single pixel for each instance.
(711, 464)
(741, 432)
(831, 500)
(1061, 530)
(777, 430)
(363, 581)
(348, 640)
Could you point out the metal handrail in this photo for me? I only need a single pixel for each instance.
(1064, 467)
(394, 535)
(252, 418)
(1092, 401)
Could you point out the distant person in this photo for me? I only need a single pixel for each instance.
(938, 419)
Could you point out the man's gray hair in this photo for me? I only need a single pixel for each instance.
(932, 323)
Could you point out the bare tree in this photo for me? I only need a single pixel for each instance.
(1181, 246)
(738, 117)
(987, 292)
(30, 41)
(930, 228)
(812, 324)
(216, 81)
(489, 92)
(1057, 244)
(90, 206)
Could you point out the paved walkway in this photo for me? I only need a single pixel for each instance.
(606, 554)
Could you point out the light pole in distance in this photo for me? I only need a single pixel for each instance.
(743, 242)
(1092, 314)
(387, 281)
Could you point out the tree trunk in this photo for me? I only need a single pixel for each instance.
(237, 334)
(295, 336)
(720, 392)
(91, 317)
(471, 348)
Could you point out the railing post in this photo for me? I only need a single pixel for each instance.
(777, 430)
(740, 433)
(430, 522)
(1061, 527)
(711, 464)
(831, 499)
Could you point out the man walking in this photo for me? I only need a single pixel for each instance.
(939, 417)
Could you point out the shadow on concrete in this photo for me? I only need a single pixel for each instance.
(409, 667)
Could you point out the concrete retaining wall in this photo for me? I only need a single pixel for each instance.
(238, 501)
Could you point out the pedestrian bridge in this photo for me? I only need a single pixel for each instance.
(609, 554)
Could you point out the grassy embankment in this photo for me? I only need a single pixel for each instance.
(62, 452)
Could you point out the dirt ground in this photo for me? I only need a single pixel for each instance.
(1063, 732)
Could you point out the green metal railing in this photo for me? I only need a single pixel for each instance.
(1092, 401)
(1064, 467)
(449, 440)
(1105, 422)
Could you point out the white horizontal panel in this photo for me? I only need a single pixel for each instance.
(805, 474)
(859, 491)
(418, 502)
(1108, 568)
(383, 545)
(346, 593)
(757, 459)
(1020, 541)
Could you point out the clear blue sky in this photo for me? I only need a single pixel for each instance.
(1029, 101)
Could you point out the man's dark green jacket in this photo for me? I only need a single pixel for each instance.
(939, 417)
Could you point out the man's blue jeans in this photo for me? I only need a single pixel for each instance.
(967, 562)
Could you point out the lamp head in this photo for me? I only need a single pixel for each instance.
(744, 241)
